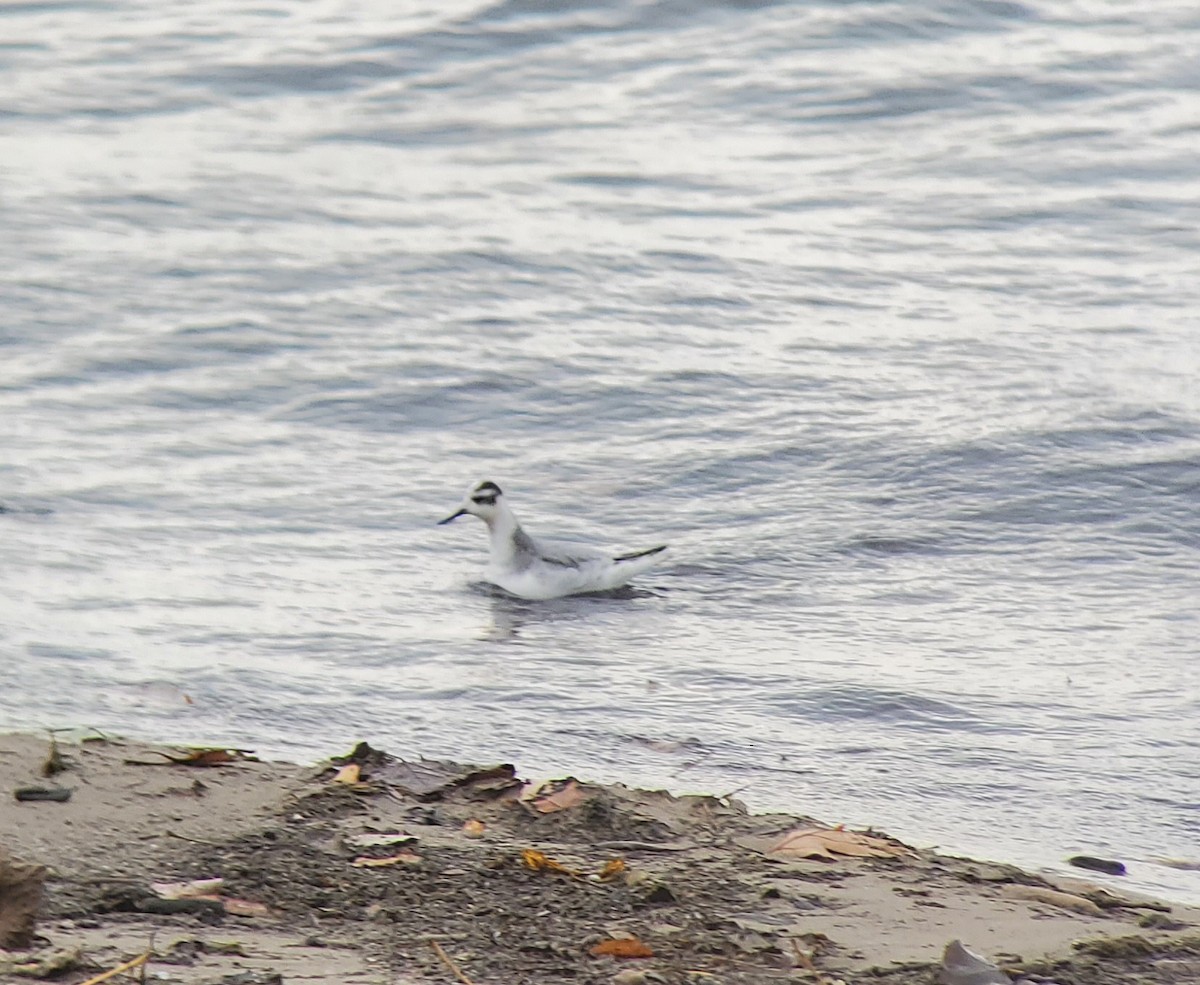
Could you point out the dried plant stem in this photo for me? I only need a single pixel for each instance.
(137, 962)
(445, 959)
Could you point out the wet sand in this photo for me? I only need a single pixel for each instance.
(372, 870)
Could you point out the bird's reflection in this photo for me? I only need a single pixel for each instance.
(509, 614)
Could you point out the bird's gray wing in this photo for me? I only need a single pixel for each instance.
(564, 554)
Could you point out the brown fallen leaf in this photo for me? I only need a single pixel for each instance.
(246, 908)
(350, 773)
(539, 862)
(621, 948)
(209, 757)
(829, 843)
(612, 869)
(197, 888)
(402, 858)
(200, 757)
(549, 796)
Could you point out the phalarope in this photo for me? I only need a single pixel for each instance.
(533, 569)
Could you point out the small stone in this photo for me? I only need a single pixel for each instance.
(630, 976)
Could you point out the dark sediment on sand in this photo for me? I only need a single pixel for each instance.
(398, 872)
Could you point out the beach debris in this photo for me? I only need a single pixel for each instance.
(621, 947)
(188, 950)
(611, 869)
(426, 779)
(961, 966)
(549, 796)
(196, 889)
(208, 909)
(1051, 897)
(199, 756)
(22, 885)
(350, 773)
(1130, 946)
(120, 969)
(401, 858)
(58, 795)
(540, 862)
(805, 957)
(449, 963)
(252, 978)
(54, 964)
(1106, 865)
(632, 976)
(1160, 921)
(474, 828)
(55, 761)
(657, 894)
(201, 896)
(829, 843)
(245, 907)
(376, 839)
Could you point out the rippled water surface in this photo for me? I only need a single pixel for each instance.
(884, 315)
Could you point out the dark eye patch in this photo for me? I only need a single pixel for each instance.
(484, 500)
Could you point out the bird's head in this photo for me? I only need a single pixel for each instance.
(481, 500)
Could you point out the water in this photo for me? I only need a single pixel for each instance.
(883, 314)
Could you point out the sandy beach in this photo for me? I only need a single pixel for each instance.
(218, 868)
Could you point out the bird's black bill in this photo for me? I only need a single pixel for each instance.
(452, 516)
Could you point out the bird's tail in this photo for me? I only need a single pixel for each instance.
(636, 554)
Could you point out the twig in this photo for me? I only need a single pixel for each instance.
(803, 958)
(149, 950)
(194, 841)
(437, 949)
(137, 962)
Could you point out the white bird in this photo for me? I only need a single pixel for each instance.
(533, 569)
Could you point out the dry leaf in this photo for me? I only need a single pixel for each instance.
(246, 908)
(612, 869)
(350, 773)
(829, 843)
(553, 795)
(624, 948)
(209, 757)
(535, 860)
(188, 890)
(1039, 894)
(403, 858)
(474, 828)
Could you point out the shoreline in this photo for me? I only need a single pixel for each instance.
(404, 871)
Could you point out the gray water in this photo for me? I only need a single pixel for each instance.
(882, 314)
